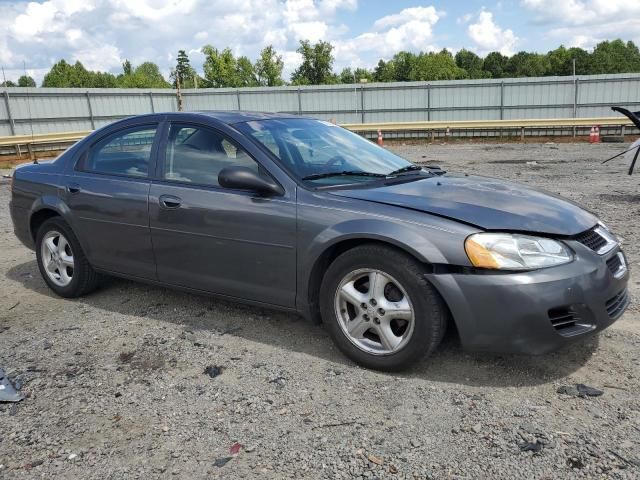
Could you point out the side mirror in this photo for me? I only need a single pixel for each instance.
(243, 178)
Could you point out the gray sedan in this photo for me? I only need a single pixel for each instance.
(300, 214)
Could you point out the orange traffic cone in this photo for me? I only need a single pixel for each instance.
(380, 142)
(592, 135)
(596, 136)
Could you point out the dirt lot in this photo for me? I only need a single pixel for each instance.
(115, 385)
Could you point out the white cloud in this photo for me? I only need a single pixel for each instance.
(427, 15)
(584, 23)
(104, 57)
(582, 12)
(312, 31)
(410, 29)
(201, 36)
(488, 36)
(103, 33)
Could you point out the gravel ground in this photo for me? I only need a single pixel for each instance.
(115, 384)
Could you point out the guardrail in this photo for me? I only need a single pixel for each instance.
(46, 141)
(488, 124)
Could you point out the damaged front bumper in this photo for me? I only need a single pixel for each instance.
(538, 311)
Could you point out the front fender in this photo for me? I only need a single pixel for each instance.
(405, 237)
(420, 241)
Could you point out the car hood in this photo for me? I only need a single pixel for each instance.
(486, 203)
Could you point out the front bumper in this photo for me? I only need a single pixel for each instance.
(539, 311)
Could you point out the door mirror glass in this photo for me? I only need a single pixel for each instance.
(243, 178)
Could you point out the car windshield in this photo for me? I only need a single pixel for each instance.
(323, 153)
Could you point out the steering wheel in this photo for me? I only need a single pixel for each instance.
(334, 160)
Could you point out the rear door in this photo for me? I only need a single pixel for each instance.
(210, 238)
(108, 195)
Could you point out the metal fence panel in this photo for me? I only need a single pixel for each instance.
(260, 100)
(48, 110)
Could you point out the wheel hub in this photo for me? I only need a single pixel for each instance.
(374, 311)
(57, 258)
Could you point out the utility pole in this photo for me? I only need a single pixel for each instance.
(573, 61)
(178, 91)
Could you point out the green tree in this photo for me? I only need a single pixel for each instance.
(317, 64)
(26, 81)
(355, 76)
(183, 72)
(436, 66)
(583, 60)
(220, 67)
(145, 75)
(471, 63)
(560, 61)
(60, 75)
(404, 63)
(8, 83)
(525, 64)
(102, 80)
(127, 69)
(384, 71)
(64, 75)
(363, 74)
(245, 73)
(347, 76)
(615, 57)
(269, 68)
(495, 64)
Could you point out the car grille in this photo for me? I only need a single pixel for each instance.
(563, 317)
(591, 239)
(614, 264)
(567, 322)
(617, 304)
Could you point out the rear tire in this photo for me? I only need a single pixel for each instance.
(61, 261)
(379, 309)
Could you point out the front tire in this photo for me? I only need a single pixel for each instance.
(379, 309)
(61, 261)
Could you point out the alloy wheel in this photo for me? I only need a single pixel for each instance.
(374, 311)
(57, 258)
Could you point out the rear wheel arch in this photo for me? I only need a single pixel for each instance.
(39, 217)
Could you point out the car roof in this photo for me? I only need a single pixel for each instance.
(237, 116)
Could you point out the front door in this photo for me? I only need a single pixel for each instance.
(214, 239)
(108, 194)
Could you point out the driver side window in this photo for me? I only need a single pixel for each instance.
(197, 154)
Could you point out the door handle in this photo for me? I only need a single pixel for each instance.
(169, 201)
(73, 188)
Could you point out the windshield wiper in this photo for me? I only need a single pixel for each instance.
(408, 168)
(345, 173)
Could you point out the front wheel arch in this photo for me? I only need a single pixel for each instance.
(332, 252)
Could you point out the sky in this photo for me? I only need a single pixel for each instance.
(103, 33)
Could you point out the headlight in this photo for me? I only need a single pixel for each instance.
(507, 251)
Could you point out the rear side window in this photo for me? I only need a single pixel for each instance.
(196, 155)
(126, 152)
